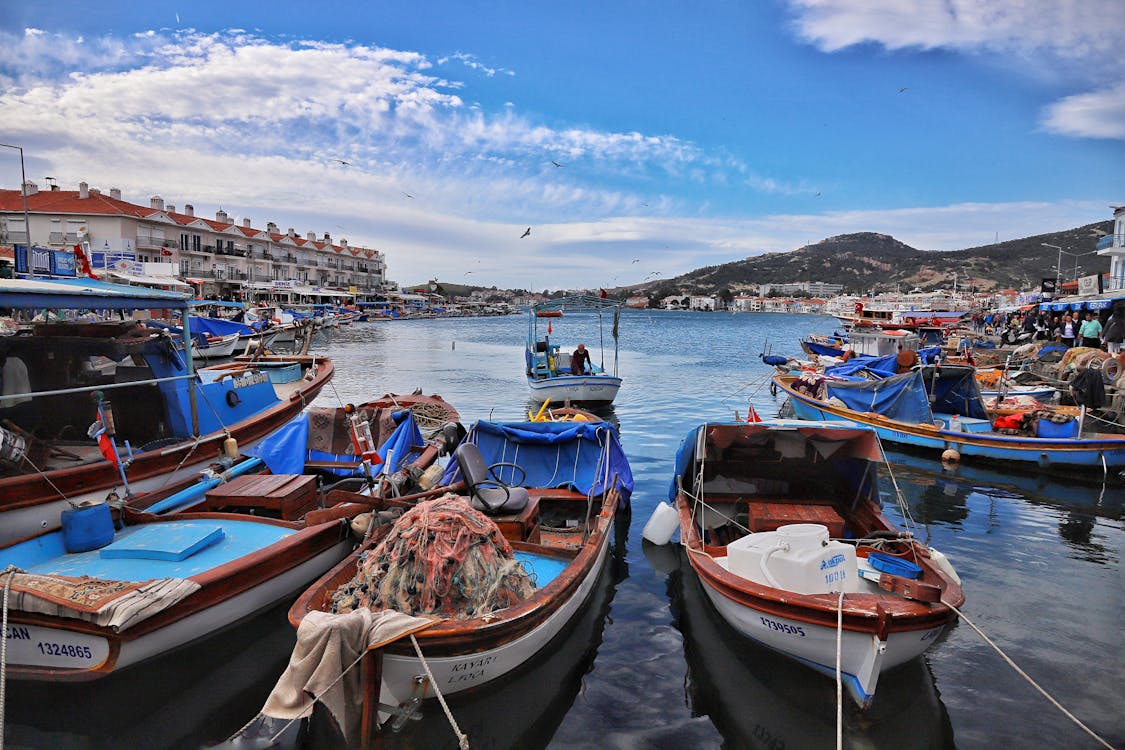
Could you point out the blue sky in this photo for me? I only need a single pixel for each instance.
(689, 134)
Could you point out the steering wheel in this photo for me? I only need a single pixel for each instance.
(514, 467)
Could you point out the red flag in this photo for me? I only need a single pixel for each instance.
(105, 445)
(83, 262)
(752, 415)
(548, 327)
(604, 295)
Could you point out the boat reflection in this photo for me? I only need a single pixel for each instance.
(184, 699)
(758, 698)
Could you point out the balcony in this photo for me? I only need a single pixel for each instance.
(290, 258)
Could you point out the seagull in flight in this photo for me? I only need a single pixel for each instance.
(636, 260)
(341, 161)
(408, 195)
(526, 233)
(902, 89)
(556, 163)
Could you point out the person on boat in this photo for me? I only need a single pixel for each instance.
(905, 359)
(1068, 330)
(579, 361)
(1091, 331)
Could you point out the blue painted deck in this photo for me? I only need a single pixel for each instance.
(545, 569)
(46, 554)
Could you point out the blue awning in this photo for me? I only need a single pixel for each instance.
(80, 294)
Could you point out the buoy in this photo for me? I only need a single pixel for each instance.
(230, 448)
(661, 524)
(950, 456)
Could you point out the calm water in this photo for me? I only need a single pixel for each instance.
(649, 664)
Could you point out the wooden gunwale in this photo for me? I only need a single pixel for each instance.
(457, 637)
(1105, 441)
(861, 612)
(27, 490)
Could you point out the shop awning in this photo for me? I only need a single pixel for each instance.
(150, 281)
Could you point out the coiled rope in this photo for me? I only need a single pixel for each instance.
(1027, 677)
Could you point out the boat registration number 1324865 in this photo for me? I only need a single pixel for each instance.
(47, 647)
(782, 627)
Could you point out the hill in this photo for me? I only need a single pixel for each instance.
(868, 262)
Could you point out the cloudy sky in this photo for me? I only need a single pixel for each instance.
(636, 139)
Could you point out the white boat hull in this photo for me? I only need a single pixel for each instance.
(218, 350)
(863, 655)
(584, 388)
(455, 674)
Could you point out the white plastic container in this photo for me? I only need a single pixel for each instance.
(662, 524)
(798, 558)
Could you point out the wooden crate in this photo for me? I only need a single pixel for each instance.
(289, 496)
(522, 526)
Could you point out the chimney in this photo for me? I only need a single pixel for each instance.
(221, 215)
(189, 210)
(291, 233)
(115, 193)
(54, 187)
(156, 202)
(310, 236)
(246, 222)
(83, 190)
(171, 209)
(95, 191)
(272, 228)
(344, 243)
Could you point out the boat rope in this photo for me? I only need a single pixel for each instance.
(226, 430)
(47, 479)
(903, 506)
(839, 678)
(314, 699)
(11, 571)
(757, 385)
(1027, 677)
(462, 738)
(190, 452)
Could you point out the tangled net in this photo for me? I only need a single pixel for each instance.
(441, 558)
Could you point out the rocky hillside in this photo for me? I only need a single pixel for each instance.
(866, 261)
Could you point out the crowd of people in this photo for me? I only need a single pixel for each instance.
(1100, 330)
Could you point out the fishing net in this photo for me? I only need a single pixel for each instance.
(441, 558)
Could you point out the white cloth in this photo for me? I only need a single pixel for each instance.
(327, 645)
(15, 380)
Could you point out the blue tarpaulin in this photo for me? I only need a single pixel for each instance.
(907, 397)
(581, 456)
(286, 450)
(885, 366)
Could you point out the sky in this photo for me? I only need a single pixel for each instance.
(637, 140)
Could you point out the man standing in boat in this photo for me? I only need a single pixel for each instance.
(579, 360)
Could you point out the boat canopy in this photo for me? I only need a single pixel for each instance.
(82, 294)
(582, 456)
(882, 366)
(914, 396)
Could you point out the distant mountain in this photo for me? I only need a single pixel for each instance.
(866, 262)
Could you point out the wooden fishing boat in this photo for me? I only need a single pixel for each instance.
(218, 347)
(940, 409)
(159, 418)
(548, 369)
(782, 524)
(576, 481)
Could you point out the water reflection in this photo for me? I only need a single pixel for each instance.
(758, 698)
(182, 700)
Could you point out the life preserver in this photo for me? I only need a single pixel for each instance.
(1111, 370)
(858, 307)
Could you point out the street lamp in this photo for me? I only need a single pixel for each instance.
(23, 192)
(1058, 263)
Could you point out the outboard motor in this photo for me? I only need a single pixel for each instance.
(452, 433)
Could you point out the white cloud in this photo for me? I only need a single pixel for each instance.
(1097, 114)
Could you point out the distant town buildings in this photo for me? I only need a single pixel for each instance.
(159, 246)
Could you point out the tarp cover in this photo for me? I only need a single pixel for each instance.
(219, 327)
(907, 397)
(883, 366)
(553, 454)
(286, 450)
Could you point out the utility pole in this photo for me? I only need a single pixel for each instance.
(23, 192)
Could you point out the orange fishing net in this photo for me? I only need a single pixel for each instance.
(442, 558)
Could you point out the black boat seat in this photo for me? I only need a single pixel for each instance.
(489, 495)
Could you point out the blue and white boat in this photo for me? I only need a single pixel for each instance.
(548, 367)
(941, 409)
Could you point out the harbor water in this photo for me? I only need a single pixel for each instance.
(649, 664)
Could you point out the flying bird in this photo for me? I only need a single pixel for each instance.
(636, 260)
(341, 161)
(408, 195)
(556, 163)
(902, 89)
(525, 234)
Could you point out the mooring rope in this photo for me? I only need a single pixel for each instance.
(839, 679)
(11, 571)
(462, 738)
(315, 698)
(1027, 677)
